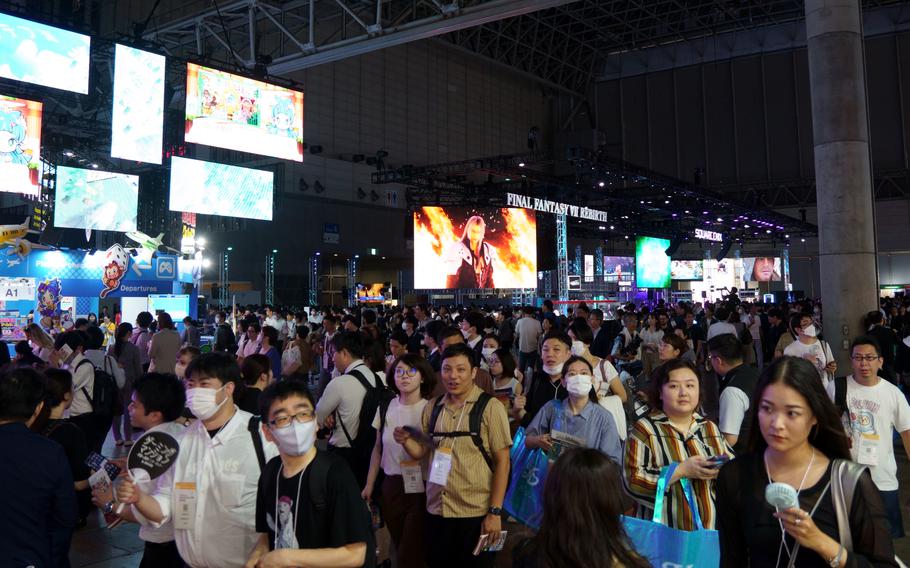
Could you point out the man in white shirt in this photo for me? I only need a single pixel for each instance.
(527, 332)
(80, 412)
(722, 326)
(737, 382)
(339, 406)
(809, 347)
(872, 410)
(279, 323)
(752, 322)
(210, 492)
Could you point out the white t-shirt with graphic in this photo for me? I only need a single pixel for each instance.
(874, 413)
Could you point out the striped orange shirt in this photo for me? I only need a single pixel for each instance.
(654, 443)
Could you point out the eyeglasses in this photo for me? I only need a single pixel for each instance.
(303, 417)
(411, 372)
(867, 358)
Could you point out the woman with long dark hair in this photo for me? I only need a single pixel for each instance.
(581, 523)
(129, 359)
(795, 439)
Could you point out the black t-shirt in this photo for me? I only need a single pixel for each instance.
(344, 520)
(542, 391)
(250, 400)
(72, 439)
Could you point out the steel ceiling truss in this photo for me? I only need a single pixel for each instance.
(637, 200)
(281, 38)
(892, 185)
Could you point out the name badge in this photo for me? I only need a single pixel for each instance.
(867, 453)
(442, 465)
(412, 474)
(185, 499)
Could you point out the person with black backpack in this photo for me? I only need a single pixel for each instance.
(466, 434)
(69, 355)
(308, 507)
(349, 403)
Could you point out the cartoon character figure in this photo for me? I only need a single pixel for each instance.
(116, 262)
(282, 118)
(247, 111)
(49, 293)
(209, 101)
(13, 130)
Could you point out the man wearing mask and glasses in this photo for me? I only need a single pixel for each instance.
(872, 409)
(308, 511)
(210, 491)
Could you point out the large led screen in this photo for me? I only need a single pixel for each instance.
(619, 269)
(20, 145)
(92, 199)
(43, 55)
(687, 269)
(138, 113)
(219, 189)
(652, 264)
(237, 113)
(762, 269)
(456, 247)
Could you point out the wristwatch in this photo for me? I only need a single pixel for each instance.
(108, 507)
(835, 562)
(494, 511)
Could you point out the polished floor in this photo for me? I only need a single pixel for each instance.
(97, 547)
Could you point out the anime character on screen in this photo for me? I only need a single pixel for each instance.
(763, 270)
(13, 130)
(471, 259)
(247, 113)
(49, 293)
(282, 118)
(116, 262)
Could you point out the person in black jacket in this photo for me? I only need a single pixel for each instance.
(737, 381)
(224, 336)
(888, 341)
(38, 500)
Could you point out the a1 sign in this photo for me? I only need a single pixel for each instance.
(12, 289)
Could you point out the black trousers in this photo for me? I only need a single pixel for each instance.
(161, 555)
(450, 543)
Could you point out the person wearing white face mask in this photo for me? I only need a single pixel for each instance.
(809, 347)
(210, 491)
(308, 509)
(546, 385)
(611, 393)
(578, 420)
(488, 347)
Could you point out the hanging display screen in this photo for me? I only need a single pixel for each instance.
(138, 112)
(43, 55)
(220, 189)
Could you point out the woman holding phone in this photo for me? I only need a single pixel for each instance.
(675, 433)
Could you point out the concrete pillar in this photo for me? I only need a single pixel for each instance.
(843, 173)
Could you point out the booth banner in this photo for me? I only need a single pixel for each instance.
(49, 294)
(17, 288)
(111, 273)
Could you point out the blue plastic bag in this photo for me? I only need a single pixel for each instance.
(664, 546)
(524, 498)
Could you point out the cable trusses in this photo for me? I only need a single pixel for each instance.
(637, 200)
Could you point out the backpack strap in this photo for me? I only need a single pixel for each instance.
(253, 427)
(840, 394)
(383, 411)
(474, 421)
(845, 476)
(82, 388)
(366, 385)
(319, 481)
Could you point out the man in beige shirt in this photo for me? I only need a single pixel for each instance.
(469, 473)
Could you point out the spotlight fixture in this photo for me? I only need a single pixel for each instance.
(318, 187)
(361, 193)
(373, 195)
(302, 185)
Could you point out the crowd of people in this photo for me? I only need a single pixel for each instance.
(302, 432)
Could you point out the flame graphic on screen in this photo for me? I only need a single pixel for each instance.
(512, 232)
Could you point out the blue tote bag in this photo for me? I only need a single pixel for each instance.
(524, 498)
(665, 546)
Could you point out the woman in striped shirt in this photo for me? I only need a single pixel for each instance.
(675, 433)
